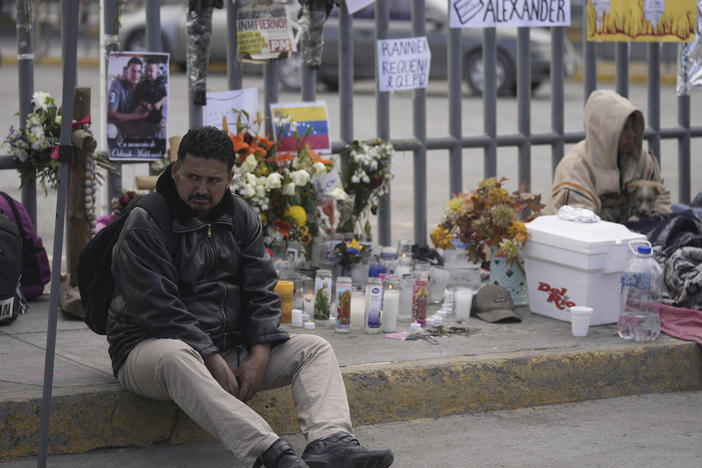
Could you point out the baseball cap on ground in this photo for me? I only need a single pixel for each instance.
(494, 304)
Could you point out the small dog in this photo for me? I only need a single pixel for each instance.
(641, 196)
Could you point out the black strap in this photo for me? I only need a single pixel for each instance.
(13, 207)
(157, 206)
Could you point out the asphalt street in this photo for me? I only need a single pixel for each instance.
(657, 430)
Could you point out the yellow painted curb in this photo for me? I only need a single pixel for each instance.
(83, 420)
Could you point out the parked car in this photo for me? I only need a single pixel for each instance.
(132, 37)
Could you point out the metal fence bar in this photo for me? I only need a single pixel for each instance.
(590, 64)
(654, 98)
(490, 100)
(420, 133)
(382, 123)
(270, 86)
(114, 181)
(455, 103)
(153, 25)
(524, 105)
(621, 57)
(233, 64)
(557, 95)
(153, 43)
(25, 75)
(345, 75)
(684, 150)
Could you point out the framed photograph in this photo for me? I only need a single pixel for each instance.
(137, 105)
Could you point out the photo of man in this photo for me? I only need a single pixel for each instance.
(137, 96)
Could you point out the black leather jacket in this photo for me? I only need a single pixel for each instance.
(215, 293)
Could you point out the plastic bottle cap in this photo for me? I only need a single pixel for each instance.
(309, 325)
(644, 250)
(415, 326)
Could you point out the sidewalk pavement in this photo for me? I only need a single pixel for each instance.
(495, 366)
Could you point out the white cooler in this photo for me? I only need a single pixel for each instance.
(570, 263)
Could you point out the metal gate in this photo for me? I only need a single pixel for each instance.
(453, 141)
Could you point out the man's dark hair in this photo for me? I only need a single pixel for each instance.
(207, 142)
(135, 60)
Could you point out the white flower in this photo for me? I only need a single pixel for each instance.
(250, 179)
(354, 179)
(40, 100)
(300, 177)
(247, 191)
(337, 193)
(273, 181)
(289, 189)
(319, 168)
(249, 165)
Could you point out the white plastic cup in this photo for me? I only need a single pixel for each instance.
(580, 319)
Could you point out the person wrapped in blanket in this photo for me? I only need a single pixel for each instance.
(609, 172)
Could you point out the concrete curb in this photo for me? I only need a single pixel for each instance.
(108, 417)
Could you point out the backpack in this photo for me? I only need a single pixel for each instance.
(36, 272)
(95, 281)
(10, 269)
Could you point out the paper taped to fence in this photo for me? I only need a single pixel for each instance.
(354, 5)
(641, 20)
(228, 104)
(403, 63)
(497, 13)
(265, 30)
(311, 125)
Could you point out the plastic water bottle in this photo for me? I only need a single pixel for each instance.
(642, 283)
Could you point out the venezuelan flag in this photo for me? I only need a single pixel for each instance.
(312, 126)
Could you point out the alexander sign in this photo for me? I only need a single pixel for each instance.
(496, 13)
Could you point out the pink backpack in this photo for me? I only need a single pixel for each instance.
(36, 272)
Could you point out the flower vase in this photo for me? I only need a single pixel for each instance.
(511, 277)
(359, 274)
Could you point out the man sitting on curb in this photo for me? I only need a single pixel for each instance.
(200, 326)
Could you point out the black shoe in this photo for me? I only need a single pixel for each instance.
(341, 450)
(280, 455)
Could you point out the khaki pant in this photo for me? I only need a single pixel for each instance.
(168, 369)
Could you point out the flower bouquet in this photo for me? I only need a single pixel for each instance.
(488, 218)
(366, 178)
(279, 185)
(118, 204)
(36, 147)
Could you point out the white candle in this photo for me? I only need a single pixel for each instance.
(358, 307)
(463, 300)
(308, 304)
(296, 318)
(391, 306)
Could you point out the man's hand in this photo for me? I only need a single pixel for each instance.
(251, 371)
(222, 373)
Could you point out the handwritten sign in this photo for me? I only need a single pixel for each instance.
(403, 63)
(227, 104)
(497, 13)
